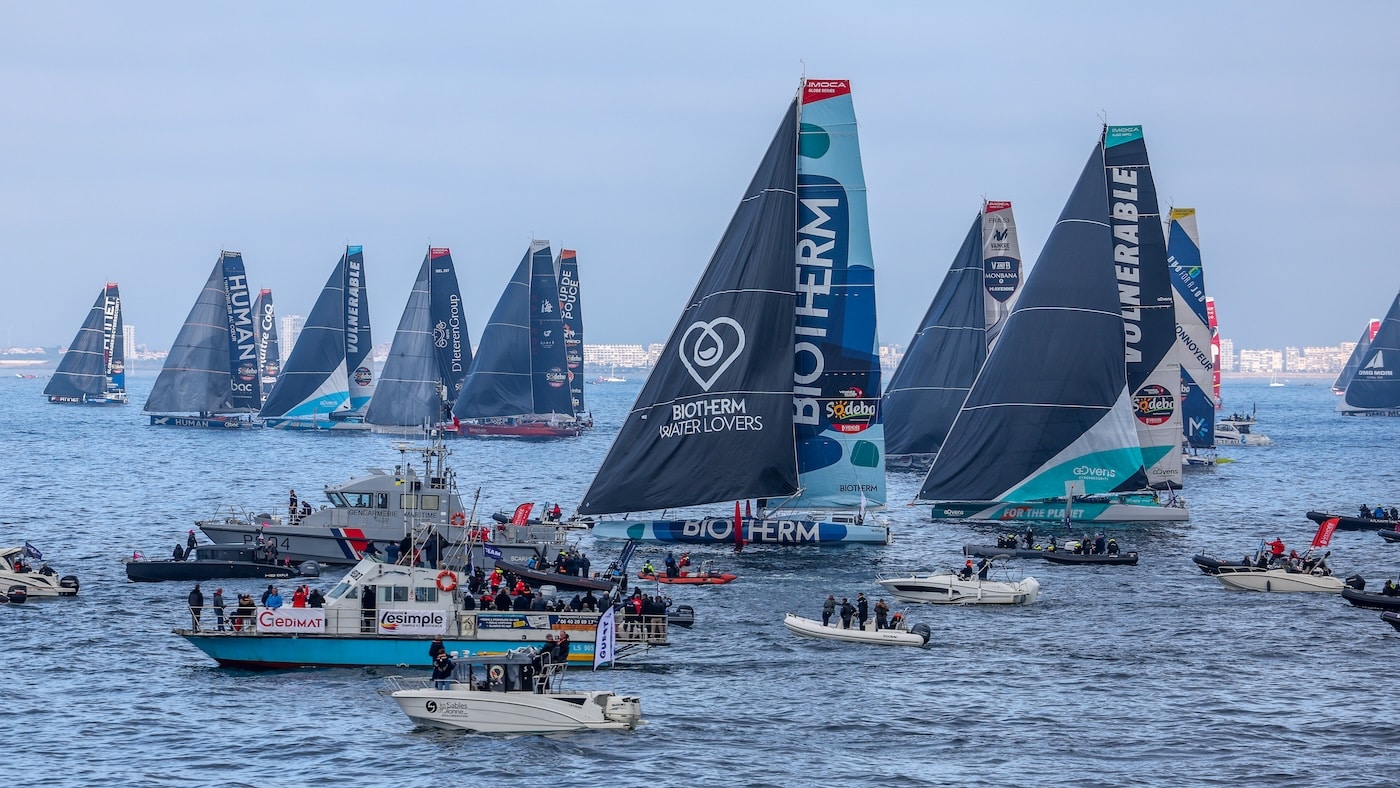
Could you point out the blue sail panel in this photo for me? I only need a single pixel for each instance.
(498, 379)
(1147, 302)
(82, 371)
(358, 339)
(549, 369)
(1192, 329)
(1050, 405)
(571, 315)
(114, 339)
(1375, 387)
(451, 338)
(407, 392)
(314, 380)
(269, 348)
(714, 421)
(245, 392)
(836, 369)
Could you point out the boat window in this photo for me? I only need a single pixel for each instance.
(393, 593)
(358, 500)
(381, 500)
(430, 502)
(408, 501)
(336, 499)
(425, 594)
(340, 590)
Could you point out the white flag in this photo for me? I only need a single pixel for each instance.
(605, 641)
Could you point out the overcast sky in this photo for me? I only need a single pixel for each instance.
(138, 140)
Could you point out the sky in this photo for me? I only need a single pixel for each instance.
(140, 139)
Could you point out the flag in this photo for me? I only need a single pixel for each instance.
(494, 553)
(747, 511)
(33, 552)
(605, 640)
(738, 529)
(522, 514)
(1324, 532)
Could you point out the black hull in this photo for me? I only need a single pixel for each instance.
(1391, 618)
(562, 582)
(682, 616)
(1053, 556)
(1371, 600)
(1353, 523)
(158, 571)
(1390, 536)
(1214, 566)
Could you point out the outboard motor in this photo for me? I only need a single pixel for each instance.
(1356, 582)
(309, 569)
(17, 595)
(69, 582)
(922, 631)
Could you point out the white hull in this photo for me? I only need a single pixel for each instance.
(947, 589)
(519, 712)
(1280, 581)
(35, 584)
(887, 637)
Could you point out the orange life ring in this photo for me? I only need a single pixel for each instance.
(459, 519)
(447, 580)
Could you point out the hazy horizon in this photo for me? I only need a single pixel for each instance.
(145, 138)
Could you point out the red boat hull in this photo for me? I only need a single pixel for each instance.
(716, 578)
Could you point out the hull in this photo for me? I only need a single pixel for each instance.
(204, 422)
(157, 571)
(560, 581)
(514, 712)
(1371, 412)
(720, 530)
(338, 545)
(1103, 512)
(1392, 619)
(1125, 558)
(1389, 536)
(520, 430)
(315, 425)
(96, 399)
(36, 584)
(686, 578)
(285, 651)
(1214, 566)
(948, 589)
(807, 627)
(1352, 523)
(1371, 600)
(1279, 581)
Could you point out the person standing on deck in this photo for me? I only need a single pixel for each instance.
(882, 612)
(219, 608)
(292, 508)
(828, 609)
(862, 610)
(196, 605)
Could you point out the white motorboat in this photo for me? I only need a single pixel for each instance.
(951, 588)
(899, 633)
(19, 580)
(1280, 580)
(1237, 431)
(513, 693)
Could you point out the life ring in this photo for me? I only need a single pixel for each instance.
(459, 519)
(447, 580)
(496, 672)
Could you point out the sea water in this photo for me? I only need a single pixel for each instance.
(1151, 675)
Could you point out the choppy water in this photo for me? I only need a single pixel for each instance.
(1120, 675)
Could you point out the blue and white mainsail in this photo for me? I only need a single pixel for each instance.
(1192, 329)
(1375, 388)
(1357, 353)
(962, 323)
(836, 370)
(213, 365)
(1051, 404)
(269, 348)
(430, 352)
(92, 369)
(359, 342)
(1148, 305)
(571, 315)
(315, 381)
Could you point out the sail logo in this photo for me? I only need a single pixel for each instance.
(721, 414)
(352, 308)
(853, 414)
(1153, 405)
(555, 377)
(363, 376)
(1091, 472)
(822, 237)
(568, 294)
(1375, 368)
(1123, 196)
(546, 307)
(1001, 277)
(111, 307)
(707, 349)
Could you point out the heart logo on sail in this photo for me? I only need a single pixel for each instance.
(710, 348)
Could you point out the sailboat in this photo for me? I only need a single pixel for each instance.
(93, 369)
(269, 347)
(327, 380)
(430, 354)
(765, 390)
(1354, 360)
(212, 372)
(1193, 336)
(518, 382)
(1375, 388)
(947, 351)
(1050, 428)
(571, 318)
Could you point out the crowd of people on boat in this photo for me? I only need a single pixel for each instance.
(1276, 555)
(859, 613)
(1380, 513)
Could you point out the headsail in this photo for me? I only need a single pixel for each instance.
(1192, 329)
(571, 315)
(836, 372)
(1359, 352)
(1017, 438)
(269, 348)
(314, 381)
(962, 322)
(1145, 294)
(1376, 386)
(1214, 351)
(714, 420)
(82, 372)
(114, 340)
(549, 367)
(358, 340)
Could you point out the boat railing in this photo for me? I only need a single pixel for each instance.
(644, 630)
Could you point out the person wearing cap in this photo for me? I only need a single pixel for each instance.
(196, 605)
(190, 542)
(966, 572)
(442, 668)
(862, 610)
(847, 610)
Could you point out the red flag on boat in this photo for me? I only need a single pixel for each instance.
(522, 514)
(747, 511)
(1325, 531)
(738, 529)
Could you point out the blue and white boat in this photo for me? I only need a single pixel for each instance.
(764, 390)
(1050, 429)
(92, 370)
(327, 381)
(430, 354)
(1374, 390)
(948, 350)
(211, 376)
